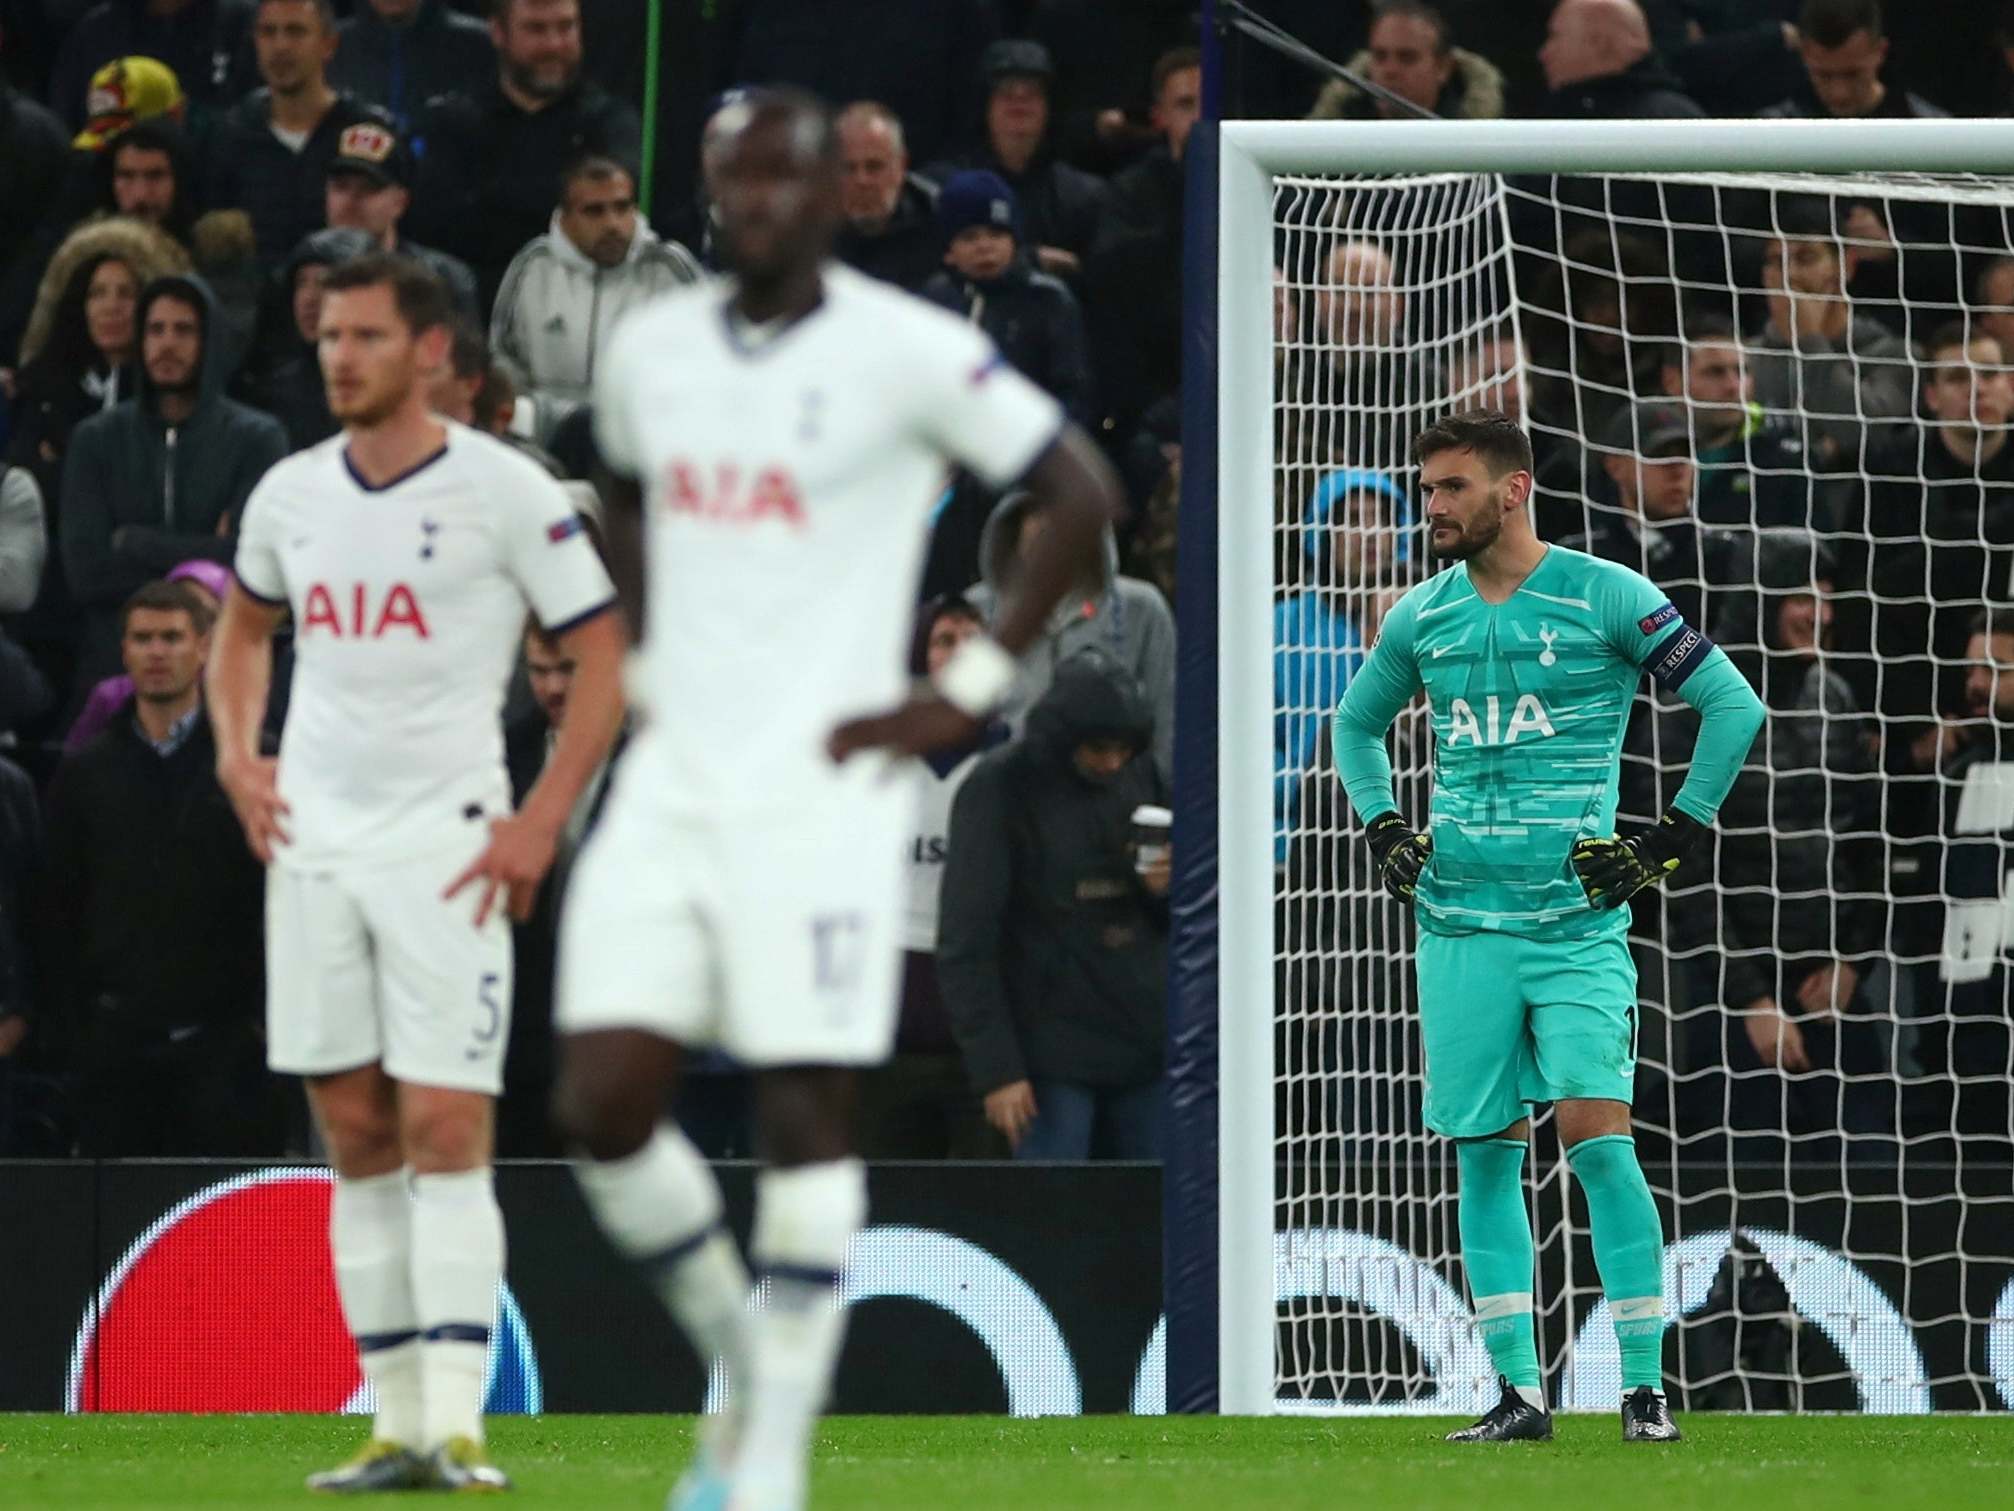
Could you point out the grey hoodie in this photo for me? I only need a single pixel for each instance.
(140, 495)
(557, 307)
(1124, 617)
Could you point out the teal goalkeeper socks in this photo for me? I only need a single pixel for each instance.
(1628, 1251)
(1497, 1253)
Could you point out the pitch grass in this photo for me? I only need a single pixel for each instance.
(1108, 1463)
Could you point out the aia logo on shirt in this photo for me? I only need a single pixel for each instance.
(726, 493)
(353, 613)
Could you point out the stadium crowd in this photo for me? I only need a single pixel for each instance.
(1811, 454)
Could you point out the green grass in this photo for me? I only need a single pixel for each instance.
(1110, 1463)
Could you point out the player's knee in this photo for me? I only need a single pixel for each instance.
(601, 1118)
(359, 1128)
(805, 1117)
(448, 1133)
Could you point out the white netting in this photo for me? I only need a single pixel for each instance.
(1841, 1222)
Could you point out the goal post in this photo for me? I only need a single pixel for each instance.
(1233, 1262)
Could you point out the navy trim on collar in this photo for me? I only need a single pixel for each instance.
(754, 353)
(392, 482)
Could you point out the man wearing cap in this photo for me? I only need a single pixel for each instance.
(490, 160)
(276, 146)
(369, 189)
(398, 54)
(1059, 205)
(1031, 316)
(1646, 522)
(197, 42)
(569, 288)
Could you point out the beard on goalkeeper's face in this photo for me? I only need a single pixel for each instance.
(1453, 539)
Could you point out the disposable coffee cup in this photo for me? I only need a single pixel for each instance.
(1151, 827)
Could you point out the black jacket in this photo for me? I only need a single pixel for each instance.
(1644, 91)
(20, 855)
(489, 172)
(208, 44)
(140, 496)
(1133, 287)
(1035, 322)
(283, 191)
(1931, 544)
(150, 892)
(909, 251)
(528, 1058)
(34, 163)
(400, 68)
(1762, 479)
(1708, 574)
(1051, 955)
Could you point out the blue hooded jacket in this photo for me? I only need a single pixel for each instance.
(1317, 643)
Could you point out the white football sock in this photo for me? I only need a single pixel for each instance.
(661, 1209)
(1531, 1395)
(370, 1241)
(458, 1257)
(804, 1220)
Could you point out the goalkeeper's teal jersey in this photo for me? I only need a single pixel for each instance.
(1529, 700)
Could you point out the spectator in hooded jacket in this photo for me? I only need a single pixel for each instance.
(369, 188)
(1125, 618)
(204, 42)
(1052, 939)
(1353, 542)
(291, 389)
(1059, 205)
(891, 227)
(161, 477)
(398, 54)
(1413, 54)
(568, 289)
(1031, 317)
(491, 159)
(275, 148)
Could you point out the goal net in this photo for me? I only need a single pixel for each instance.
(1781, 391)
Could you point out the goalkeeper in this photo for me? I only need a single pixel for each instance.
(1530, 656)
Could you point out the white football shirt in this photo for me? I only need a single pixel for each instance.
(788, 488)
(409, 606)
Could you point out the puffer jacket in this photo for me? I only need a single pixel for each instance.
(1473, 92)
(557, 306)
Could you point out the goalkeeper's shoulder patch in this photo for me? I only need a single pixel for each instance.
(1678, 657)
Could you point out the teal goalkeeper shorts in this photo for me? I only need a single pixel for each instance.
(1509, 1022)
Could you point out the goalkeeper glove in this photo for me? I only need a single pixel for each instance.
(1614, 870)
(1399, 853)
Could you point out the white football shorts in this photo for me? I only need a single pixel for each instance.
(776, 939)
(370, 965)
